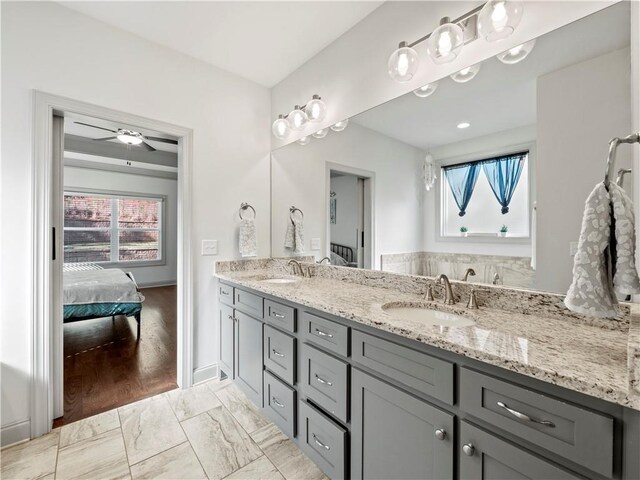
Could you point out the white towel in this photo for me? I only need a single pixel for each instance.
(248, 242)
(594, 287)
(294, 236)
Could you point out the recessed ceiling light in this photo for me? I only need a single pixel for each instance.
(464, 125)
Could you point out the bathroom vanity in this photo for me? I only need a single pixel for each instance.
(367, 395)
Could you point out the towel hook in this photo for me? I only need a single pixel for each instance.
(293, 210)
(243, 207)
(613, 146)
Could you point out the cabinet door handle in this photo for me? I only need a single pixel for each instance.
(277, 353)
(319, 443)
(524, 417)
(440, 434)
(277, 315)
(233, 318)
(277, 403)
(468, 449)
(323, 381)
(320, 333)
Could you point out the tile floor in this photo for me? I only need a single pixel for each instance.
(208, 431)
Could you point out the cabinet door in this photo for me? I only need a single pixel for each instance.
(249, 356)
(396, 435)
(486, 457)
(227, 340)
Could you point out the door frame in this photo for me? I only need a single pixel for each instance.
(370, 218)
(46, 353)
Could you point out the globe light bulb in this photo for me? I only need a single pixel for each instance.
(403, 63)
(466, 74)
(280, 127)
(340, 126)
(320, 133)
(316, 109)
(445, 43)
(499, 18)
(129, 137)
(516, 54)
(304, 140)
(426, 90)
(297, 118)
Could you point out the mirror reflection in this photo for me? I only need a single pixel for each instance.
(481, 176)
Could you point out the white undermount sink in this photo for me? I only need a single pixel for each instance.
(280, 281)
(426, 314)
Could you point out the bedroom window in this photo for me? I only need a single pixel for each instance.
(101, 228)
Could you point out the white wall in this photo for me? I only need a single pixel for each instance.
(48, 47)
(351, 73)
(344, 231)
(298, 177)
(87, 178)
(580, 108)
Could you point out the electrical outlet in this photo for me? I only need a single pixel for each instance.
(573, 248)
(315, 244)
(209, 247)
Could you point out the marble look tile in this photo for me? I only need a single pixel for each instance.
(102, 456)
(176, 463)
(216, 384)
(285, 455)
(88, 427)
(149, 427)
(191, 402)
(260, 469)
(34, 459)
(245, 412)
(220, 442)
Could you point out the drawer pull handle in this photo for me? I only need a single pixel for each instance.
(323, 381)
(468, 449)
(320, 333)
(440, 434)
(277, 315)
(277, 403)
(224, 292)
(277, 353)
(320, 444)
(524, 417)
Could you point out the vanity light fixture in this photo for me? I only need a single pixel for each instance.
(340, 126)
(516, 54)
(304, 140)
(403, 63)
(463, 125)
(426, 90)
(297, 118)
(499, 18)
(316, 109)
(445, 43)
(320, 133)
(313, 111)
(280, 127)
(466, 74)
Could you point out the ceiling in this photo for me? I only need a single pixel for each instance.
(500, 97)
(262, 41)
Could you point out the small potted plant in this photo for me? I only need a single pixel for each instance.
(464, 231)
(503, 230)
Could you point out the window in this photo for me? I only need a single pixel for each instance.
(112, 228)
(467, 188)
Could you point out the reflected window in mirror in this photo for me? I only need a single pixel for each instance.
(487, 197)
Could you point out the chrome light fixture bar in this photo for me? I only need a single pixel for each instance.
(313, 111)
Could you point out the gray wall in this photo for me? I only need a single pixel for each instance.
(343, 231)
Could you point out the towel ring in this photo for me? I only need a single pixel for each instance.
(611, 157)
(243, 207)
(293, 210)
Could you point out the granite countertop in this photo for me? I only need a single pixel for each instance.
(600, 362)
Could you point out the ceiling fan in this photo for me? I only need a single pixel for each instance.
(130, 137)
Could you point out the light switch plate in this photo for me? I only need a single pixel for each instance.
(573, 248)
(209, 247)
(315, 244)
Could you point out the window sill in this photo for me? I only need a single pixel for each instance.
(522, 240)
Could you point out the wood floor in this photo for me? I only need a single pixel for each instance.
(105, 367)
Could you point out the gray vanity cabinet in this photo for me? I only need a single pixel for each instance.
(396, 435)
(227, 340)
(248, 349)
(484, 456)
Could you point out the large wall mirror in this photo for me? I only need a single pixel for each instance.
(488, 170)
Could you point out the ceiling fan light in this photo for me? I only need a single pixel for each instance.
(297, 118)
(516, 54)
(445, 43)
(129, 138)
(466, 74)
(316, 109)
(426, 90)
(280, 127)
(403, 63)
(340, 126)
(499, 18)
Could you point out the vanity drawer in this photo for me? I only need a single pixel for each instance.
(325, 333)
(323, 440)
(249, 303)
(280, 315)
(225, 294)
(280, 404)
(582, 436)
(280, 354)
(325, 380)
(420, 371)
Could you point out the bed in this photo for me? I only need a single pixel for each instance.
(342, 252)
(90, 292)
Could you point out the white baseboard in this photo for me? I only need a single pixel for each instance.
(159, 283)
(15, 432)
(203, 374)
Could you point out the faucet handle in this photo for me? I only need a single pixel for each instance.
(428, 296)
(473, 301)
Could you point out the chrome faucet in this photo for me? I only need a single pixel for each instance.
(469, 271)
(448, 293)
(296, 268)
(325, 258)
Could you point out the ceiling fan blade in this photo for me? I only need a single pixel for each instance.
(94, 126)
(147, 146)
(163, 140)
(105, 138)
